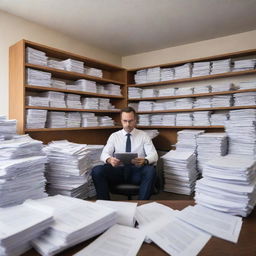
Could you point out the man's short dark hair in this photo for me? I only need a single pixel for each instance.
(128, 110)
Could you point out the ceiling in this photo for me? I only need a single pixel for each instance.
(127, 27)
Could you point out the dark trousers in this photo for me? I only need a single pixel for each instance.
(105, 176)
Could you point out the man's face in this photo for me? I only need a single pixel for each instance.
(128, 121)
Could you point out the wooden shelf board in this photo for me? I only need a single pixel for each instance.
(72, 129)
(73, 109)
(180, 127)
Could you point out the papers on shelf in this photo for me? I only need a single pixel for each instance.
(220, 87)
(56, 119)
(245, 99)
(219, 117)
(203, 102)
(36, 57)
(184, 103)
(55, 63)
(89, 119)
(101, 89)
(134, 106)
(38, 78)
(141, 76)
(221, 66)
(169, 119)
(184, 119)
(7, 128)
(93, 72)
(73, 101)
(145, 106)
(167, 74)
(113, 89)
(201, 68)
(221, 101)
(35, 118)
(56, 99)
(247, 85)
(184, 90)
(201, 118)
(149, 93)
(90, 103)
(144, 119)
(37, 101)
(153, 75)
(73, 65)
(58, 84)
(156, 119)
(202, 89)
(73, 119)
(240, 65)
(167, 92)
(86, 85)
(105, 121)
(183, 71)
(134, 92)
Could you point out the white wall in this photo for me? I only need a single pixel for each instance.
(13, 29)
(232, 43)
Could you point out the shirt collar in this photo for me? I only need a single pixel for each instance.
(132, 132)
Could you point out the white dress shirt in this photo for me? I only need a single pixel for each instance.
(140, 144)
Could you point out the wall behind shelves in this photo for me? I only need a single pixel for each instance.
(13, 29)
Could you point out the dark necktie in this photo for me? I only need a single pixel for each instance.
(128, 143)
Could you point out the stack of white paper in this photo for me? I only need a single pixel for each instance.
(141, 76)
(73, 119)
(201, 68)
(169, 104)
(184, 103)
(37, 101)
(167, 74)
(19, 225)
(180, 171)
(89, 119)
(73, 65)
(149, 93)
(221, 66)
(73, 87)
(56, 119)
(38, 78)
(156, 120)
(202, 89)
(104, 103)
(93, 72)
(247, 85)
(203, 102)
(86, 85)
(167, 92)
(201, 118)
(152, 133)
(134, 105)
(184, 119)
(222, 87)
(219, 118)
(73, 101)
(101, 89)
(113, 89)
(134, 92)
(90, 103)
(228, 185)
(7, 128)
(54, 63)
(169, 119)
(218, 147)
(245, 99)
(36, 57)
(183, 71)
(184, 91)
(221, 101)
(56, 99)
(106, 121)
(144, 119)
(145, 106)
(76, 220)
(35, 118)
(58, 84)
(153, 75)
(240, 65)
(158, 105)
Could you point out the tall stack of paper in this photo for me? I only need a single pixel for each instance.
(141, 76)
(38, 78)
(156, 120)
(7, 128)
(56, 99)
(76, 220)
(183, 71)
(73, 65)
(227, 86)
(218, 147)
(245, 99)
(203, 102)
(19, 225)
(93, 72)
(90, 103)
(167, 92)
(184, 119)
(247, 85)
(145, 106)
(240, 65)
(106, 121)
(228, 185)
(219, 117)
(73, 101)
(180, 171)
(36, 57)
(221, 101)
(89, 119)
(134, 92)
(56, 119)
(169, 104)
(86, 85)
(202, 89)
(54, 63)
(153, 74)
(167, 74)
(169, 119)
(113, 89)
(37, 101)
(184, 91)
(149, 93)
(73, 119)
(22, 166)
(241, 130)
(35, 118)
(144, 119)
(221, 66)
(201, 118)
(201, 68)
(58, 84)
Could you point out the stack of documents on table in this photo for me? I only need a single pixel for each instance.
(203, 102)
(201, 68)
(153, 75)
(180, 171)
(186, 140)
(184, 91)
(174, 236)
(54, 63)
(184, 119)
(37, 101)
(35, 118)
(152, 133)
(76, 220)
(135, 106)
(169, 119)
(93, 72)
(145, 106)
(56, 119)
(156, 120)
(183, 71)
(134, 92)
(221, 66)
(210, 145)
(228, 185)
(247, 85)
(240, 65)
(19, 225)
(169, 104)
(58, 84)
(202, 89)
(144, 119)
(89, 119)
(104, 103)
(167, 74)
(141, 76)
(245, 99)
(86, 85)
(7, 128)
(22, 166)
(56, 99)
(221, 87)
(219, 118)
(184, 103)
(216, 223)
(36, 57)
(73, 119)
(166, 92)
(106, 121)
(90, 103)
(73, 65)
(73, 101)
(113, 89)
(158, 105)
(38, 78)
(149, 93)
(201, 118)
(101, 89)
(221, 101)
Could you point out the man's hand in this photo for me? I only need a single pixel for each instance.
(139, 161)
(113, 161)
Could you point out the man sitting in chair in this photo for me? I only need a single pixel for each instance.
(139, 172)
